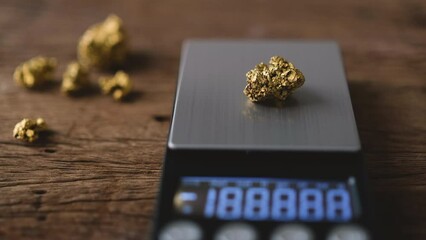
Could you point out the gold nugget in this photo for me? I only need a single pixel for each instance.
(274, 81)
(103, 44)
(35, 72)
(119, 86)
(75, 78)
(28, 129)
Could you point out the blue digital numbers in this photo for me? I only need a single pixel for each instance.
(210, 203)
(257, 204)
(284, 204)
(268, 200)
(338, 205)
(311, 205)
(230, 203)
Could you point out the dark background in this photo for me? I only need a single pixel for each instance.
(97, 175)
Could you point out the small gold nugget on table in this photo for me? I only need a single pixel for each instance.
(28, 129)
(119, 86)
(75, 78)
(35, 72)
(275, 81)
(104, 44)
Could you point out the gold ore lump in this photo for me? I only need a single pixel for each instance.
(28, 129)
(119, 86)
(104, 44)
(35, 72)
(75, 79)
(275, 81)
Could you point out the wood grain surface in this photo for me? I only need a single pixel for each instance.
(96, 175)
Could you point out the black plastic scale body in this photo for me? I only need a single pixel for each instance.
(238, 170)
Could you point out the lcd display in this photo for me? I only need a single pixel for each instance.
(266, 199)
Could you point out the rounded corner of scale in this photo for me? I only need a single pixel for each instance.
(356, 149)
(171, 145)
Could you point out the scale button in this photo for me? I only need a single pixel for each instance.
(348, 232)
(236, 231)
(181, 230)
(292, 232)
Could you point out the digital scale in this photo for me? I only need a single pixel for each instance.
(236, 170)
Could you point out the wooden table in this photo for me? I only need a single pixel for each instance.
(97, 175)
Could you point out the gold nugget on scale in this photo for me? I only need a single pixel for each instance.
(275, 81)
